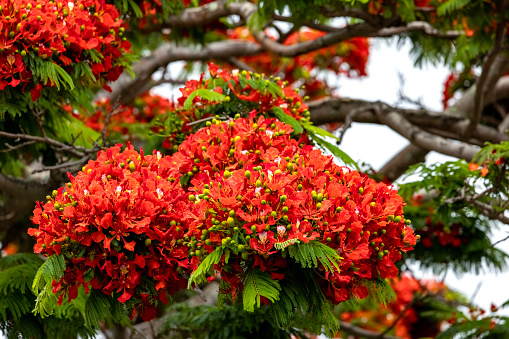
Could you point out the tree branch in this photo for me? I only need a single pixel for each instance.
(398, 165)
(488, 210)
(73, 150)
(417, 26)
(357, 331)
(337, 109)
(170, 52)
(483, 86)
(427, 140)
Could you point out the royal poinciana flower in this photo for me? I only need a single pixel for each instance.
(406, 308)
(117, 221)
(85, 32)
(256, 192)
(242, 92)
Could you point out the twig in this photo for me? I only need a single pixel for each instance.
(38, 113)
(499, 241)
(357, 331)
(488, 211)
(478, 287)
(116, 109)
(400, 315)
(202, 120)
(64, 165)
(76, 151)
(12, 148)
(402, 97)
(349, 119)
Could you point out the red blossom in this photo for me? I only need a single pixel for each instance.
(124, 213)
(65, 33)
(252, 182)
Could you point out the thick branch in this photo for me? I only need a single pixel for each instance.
(410, 155)
(489, 74)
(337, 109)
(417, 26)
(329, 39)
(427, 140)
(169, 53)
(357, 331)
(76, 151)
(21, 188)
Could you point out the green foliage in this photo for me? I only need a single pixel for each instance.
(380, 291)
(309, 254)
(96, 308)
(282, 116)
(492, 152)
(206, 267)
(259, 284)
(301, 302)
(451, 6)
(17, 273)
(230, 322)
(204, 93)
(12, 102)
(439, 188)
(46, 71)
(52, 269)
(489, 328)
(316, 134)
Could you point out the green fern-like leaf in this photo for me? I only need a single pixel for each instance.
(450, 6)
(259, 284)
(302, 302)
(52, 269)
(45, 302)
(14, 260)
(14, 305)
(317, 135)
(97, 308)
(17, 277)
(206, 267)
(308, 255)
(206, 94)
(285, 244)
(381, 291)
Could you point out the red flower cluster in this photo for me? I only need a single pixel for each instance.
(348, 57)
(143, 110)
(253, 191)
(257, 191)
(117, 221)
(84, 32)
(242, 88)
(446, 236)
(409, 324)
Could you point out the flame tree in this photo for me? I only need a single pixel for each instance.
(122, 210)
